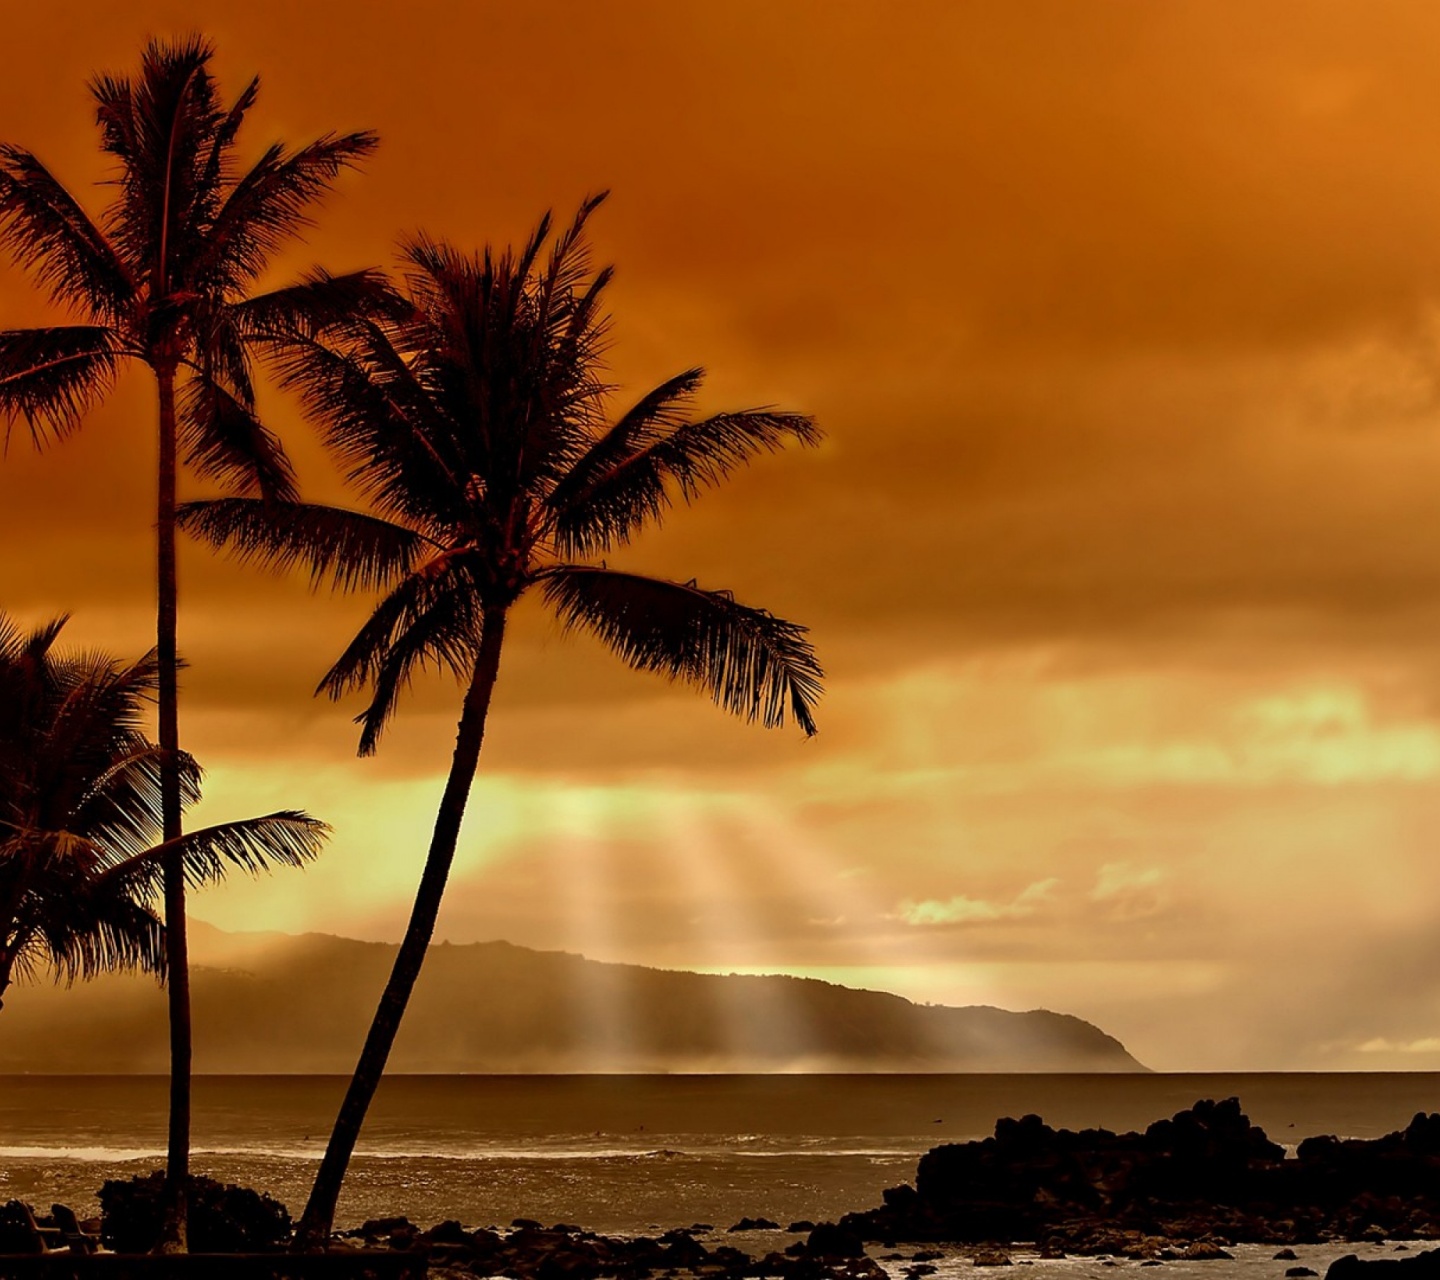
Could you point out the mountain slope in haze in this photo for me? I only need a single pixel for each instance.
(277, 1003)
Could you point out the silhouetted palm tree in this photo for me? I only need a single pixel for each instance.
(162, 278)
(81, 848)
(472, 420)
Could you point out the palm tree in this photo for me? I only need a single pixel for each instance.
(81, 853)
(472, 421)
(162, 278)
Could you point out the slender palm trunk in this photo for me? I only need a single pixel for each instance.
(313, 1233)
(177, 958)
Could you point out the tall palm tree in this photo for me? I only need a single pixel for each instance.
(164, 277)
(81, 847)
(472, 420)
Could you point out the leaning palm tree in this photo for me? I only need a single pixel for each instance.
(81, 841)
(472, 420)
(165, 278)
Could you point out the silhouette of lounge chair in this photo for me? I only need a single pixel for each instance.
(21, 1234)
(71, 1232)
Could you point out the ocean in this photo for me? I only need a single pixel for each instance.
(625, 1153)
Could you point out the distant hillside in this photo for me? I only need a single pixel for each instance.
(275, 1003)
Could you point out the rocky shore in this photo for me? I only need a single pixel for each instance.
(565, 1252)
(1205, 1178)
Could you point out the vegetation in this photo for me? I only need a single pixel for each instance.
(472, 420)
(81, 847)
(164, 277)
(224, 1218)
(467, 408)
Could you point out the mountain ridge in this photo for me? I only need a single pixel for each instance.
(300, 1003)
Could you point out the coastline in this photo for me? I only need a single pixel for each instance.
(1189, 1190)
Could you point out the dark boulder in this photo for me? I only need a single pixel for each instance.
(1420, 1266)
(829, 1240)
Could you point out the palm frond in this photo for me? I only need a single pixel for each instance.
(119, 808)
(32, 646)
(624, 491)
(100, 931)
(656, 414)
(222, 438)
(317, 302)
(288, 838)
(51, 235)
(52, 377)
(432, 617)
(447, 635)
(215, 174)
(161, 126)
(377, 419)
(269, 204)
(350, 550)
(752, 663)
(569, 262)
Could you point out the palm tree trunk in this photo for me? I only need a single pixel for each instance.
(177, 958)
(313, 1233)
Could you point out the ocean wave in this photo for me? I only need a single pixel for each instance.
(86, 1155)
(473, 1155)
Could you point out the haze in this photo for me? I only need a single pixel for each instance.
(1123, 555)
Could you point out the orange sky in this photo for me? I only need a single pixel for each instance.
(1123, 554)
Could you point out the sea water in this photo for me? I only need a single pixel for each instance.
(631, 1153)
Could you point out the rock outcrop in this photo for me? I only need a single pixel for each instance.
(1206, 1178)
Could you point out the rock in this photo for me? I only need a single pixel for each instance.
(376, 1227)
(828, 1240)
(526, 1224)
(993, 1258)
(802, 1225)
(1205, 1251)
(1205, 1174)
(927, 1255)
(919, 1269)
(682, 1249)
(755, 1224)
(1419, 1266)
(1300, 1271)
(1285, 1255)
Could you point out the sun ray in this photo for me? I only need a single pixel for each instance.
(761, 1027)
(584, 822)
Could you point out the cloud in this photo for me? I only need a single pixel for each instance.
(1123, 553)
(1379, 1044)
(1117, 879)
(1128, 892)
(963, 910)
